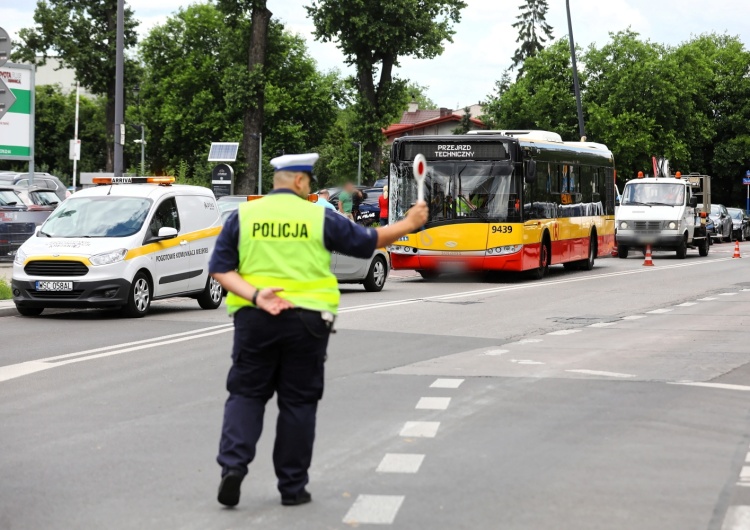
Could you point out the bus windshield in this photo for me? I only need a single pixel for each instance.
(480, 191)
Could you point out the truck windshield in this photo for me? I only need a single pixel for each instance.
(654, 194)
(482, 191)
(98, 217)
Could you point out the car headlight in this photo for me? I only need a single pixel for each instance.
(108, 258)
(20, 258)
(672, 225)
(623, 225)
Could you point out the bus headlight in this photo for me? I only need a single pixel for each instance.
(623, 226)
(672, 225)
(504, 251)
(109, 258)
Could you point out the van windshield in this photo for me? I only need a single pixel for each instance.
(654, 194)
(97, 217)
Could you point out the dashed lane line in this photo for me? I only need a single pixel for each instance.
(687, 304)
(565, 332)
(496, 353)
(737, 518)
(660, 311)
(721, 386)
(634, 317)
(603, 374)
(602, 324)
(433, 403)
(420, 429)
(400, 463)
(707, 299)
(447, 383)
(374, 509)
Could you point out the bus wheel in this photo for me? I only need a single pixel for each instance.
(588, 264)
(428, 275)
(544, 257)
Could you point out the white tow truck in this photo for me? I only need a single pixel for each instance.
(667, 213)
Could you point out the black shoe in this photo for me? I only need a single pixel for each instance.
(229, 489)
(303, 497)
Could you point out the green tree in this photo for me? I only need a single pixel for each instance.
(81, 34)
(414, 92)
(533, 31)
(373, 35)
(465, 125)
(192, 91)
(541, 99)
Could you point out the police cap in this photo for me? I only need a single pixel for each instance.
(303, 163)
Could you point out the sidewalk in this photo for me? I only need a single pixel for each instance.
(7, 307)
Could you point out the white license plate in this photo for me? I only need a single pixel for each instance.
(54, 286)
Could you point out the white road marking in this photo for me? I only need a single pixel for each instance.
(17, 370)
(707, 299)
(565, 332)
(532, 285)
(400, 463)
(374, 509)
(660, 311)
(687, 304)
(433, 403)
(525, 361)
(737, 518)
(447, 383)
(747, 458)
(728, 294)
(529, 341)
(745, 291)
(634, 317)
(496, 353)
(602, 324)
(597, 372)
(420, 429)
(720, 386)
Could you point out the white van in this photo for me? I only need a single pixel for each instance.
(121, 244)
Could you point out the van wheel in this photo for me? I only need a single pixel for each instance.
(682, 249)
(375, 280)
(622, 251)
(29, 311)
(703, 249)
(210, 297)
(139, 300)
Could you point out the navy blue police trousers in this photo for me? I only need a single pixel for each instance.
(284, 354)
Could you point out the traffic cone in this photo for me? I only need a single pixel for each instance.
(648, 262)
(736, 250)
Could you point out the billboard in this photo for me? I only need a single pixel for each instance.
(17, 125)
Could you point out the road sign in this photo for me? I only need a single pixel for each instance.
(16, 122)
(222, 179)
(74, 152)
(746, 181)
(5, 46)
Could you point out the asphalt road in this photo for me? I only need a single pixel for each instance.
(612, 399)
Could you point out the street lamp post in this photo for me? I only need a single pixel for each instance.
(359, 164)
(576, 84)
(119, 80)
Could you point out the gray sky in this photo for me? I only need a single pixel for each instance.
(484, 40)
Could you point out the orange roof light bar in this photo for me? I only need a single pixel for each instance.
(133, 180)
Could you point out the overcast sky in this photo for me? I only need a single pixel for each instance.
(484, 40)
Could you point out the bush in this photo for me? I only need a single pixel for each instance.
(5, 293)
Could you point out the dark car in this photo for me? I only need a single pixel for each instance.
(723, 222)
(16, 223)
(369, 209)
(41, 180)
(740, 224)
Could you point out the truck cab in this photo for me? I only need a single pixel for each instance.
(665, 214)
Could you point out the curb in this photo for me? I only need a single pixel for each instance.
(8, 310)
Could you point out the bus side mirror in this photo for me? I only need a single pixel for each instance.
(530, 172)
(693, 202)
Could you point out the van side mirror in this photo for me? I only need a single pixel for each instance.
(165, 232)
(617, 201)
(530, 172)
(693, 202)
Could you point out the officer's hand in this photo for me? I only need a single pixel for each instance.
(417, 215)
(270, 302)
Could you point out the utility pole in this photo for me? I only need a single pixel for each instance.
(359, 164)
(75, 135)
(576, 83)
(119, 82)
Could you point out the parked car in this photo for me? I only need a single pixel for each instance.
(740, 224)
(372, 272)
(17, 224)
(369, 210)
(380, 183)
(711, 230)
(39, 199)
(723, 222)
(42, 180)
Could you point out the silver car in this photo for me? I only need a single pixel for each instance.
(723, 222)
(371, 273)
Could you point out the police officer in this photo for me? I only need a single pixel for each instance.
(273, 257)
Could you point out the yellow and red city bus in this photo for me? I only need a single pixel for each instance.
(504, 201)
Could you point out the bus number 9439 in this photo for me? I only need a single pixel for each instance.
(502, 229)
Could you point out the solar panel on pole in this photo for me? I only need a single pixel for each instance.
(223, 151)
